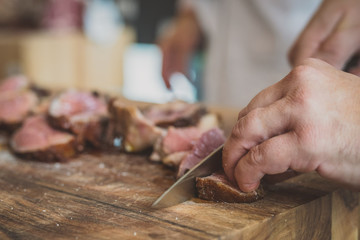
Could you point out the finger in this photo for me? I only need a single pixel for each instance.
(270, 157)
(264, 98)
(317, 30)
(256, 127)
(355, 71)
(181, 61)
(166, 76)
(339, 47)
(166, 70)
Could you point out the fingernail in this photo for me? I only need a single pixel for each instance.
(248, 187)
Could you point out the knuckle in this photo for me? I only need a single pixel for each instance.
(254, 116)
(256, 156)
(302, 71)
(310, 64)
(304, 85)
(246, 124)
(241, 113)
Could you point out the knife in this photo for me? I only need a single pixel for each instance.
(184, 188)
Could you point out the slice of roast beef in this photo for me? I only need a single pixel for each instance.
(177, 113)
(83, 113)
(175, 140)
(173, 160)
(14, 107)
(16, 102)
(181, 139)
(37, 140)
(14, 83)
(137, 132)
(207, 143)
(218, 188)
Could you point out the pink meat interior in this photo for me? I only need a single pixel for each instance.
(72, 103)
(13, 83)
(180, 139)
(36, 134)
(14, 107)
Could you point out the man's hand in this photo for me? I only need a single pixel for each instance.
(308, 121)
(178, 44)
(333, 34)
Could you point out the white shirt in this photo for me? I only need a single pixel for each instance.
(248, 42)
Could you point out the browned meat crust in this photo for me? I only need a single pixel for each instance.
(137, 132)
(218, 189)
(55, 153)
(88, 124)
(91, 131)
(177, 114)
(20, 104)
(38, 141)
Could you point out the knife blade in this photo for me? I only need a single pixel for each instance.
(184, 188)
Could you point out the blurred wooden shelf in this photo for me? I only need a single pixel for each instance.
(63, 60)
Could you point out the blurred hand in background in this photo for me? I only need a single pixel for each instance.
(178, 43)
(333, 35)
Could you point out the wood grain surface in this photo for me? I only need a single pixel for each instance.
(108, 196)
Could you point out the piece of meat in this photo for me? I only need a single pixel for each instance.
(181, 139)
(177, 114)
(175, 140)
(137, 132)
(208, 121)
(82, 113)
(37, 140)
(16, 102)
(173, 160)
(208, 142)
(218, 188)
(15, 107)
(14, 83)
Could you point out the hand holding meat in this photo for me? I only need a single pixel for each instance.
(333, 34)
(308, 121)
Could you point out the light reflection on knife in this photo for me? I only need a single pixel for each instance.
(184, 188)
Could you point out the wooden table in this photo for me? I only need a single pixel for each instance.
(107, 196)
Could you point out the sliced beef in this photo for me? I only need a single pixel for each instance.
(137, 132)
(208, 142)
(15, 107)
(218, 188)
(14, 83)
(177, 114)
(37, 140)
(82, 113)
(16, 102)
(173, 160)
(175, 140)
(181, 139)
(209, 121)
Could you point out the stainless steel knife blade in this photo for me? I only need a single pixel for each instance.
(184, 188)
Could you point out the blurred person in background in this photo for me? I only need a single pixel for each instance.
(247, 44)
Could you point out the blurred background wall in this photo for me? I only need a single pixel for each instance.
(106, 45)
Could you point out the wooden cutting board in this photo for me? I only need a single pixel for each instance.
(108, 196)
